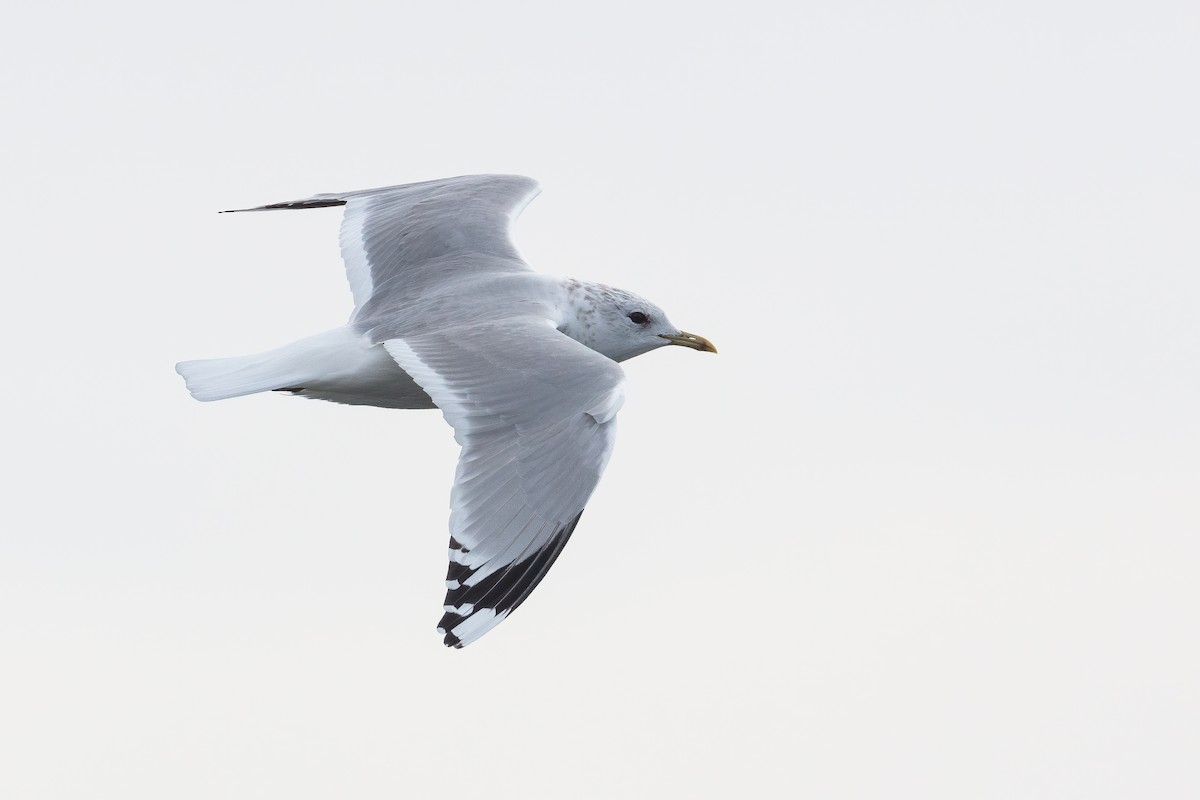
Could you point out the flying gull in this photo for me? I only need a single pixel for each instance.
(523, 366)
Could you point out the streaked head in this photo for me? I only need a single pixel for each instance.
(621, 325)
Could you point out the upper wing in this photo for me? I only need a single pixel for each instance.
(400, 241)
(534, 412)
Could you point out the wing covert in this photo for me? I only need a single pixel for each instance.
(534, 413)
(399, 242)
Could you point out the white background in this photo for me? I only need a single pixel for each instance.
(926, 527)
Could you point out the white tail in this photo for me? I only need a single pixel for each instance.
(338, 365)
(291, 366)
(219, 378)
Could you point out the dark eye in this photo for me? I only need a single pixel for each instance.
(638, 317)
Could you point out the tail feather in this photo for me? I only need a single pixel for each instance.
(221, 378)
(338, 365)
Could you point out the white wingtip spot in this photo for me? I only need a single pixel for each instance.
(478, 624)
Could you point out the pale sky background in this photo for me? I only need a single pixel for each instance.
(926, 527)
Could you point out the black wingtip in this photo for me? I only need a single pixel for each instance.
(501, 592)
(449, 622)
(326, 202)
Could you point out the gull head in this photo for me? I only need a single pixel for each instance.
(619, 324)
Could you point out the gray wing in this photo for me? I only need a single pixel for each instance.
(534, 413)
(400, 242)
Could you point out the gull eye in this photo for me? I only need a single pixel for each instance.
(638, 317)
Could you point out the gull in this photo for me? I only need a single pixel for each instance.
(523, 366)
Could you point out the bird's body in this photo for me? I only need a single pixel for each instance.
(522, 365)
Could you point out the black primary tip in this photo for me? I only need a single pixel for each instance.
(324, 203)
